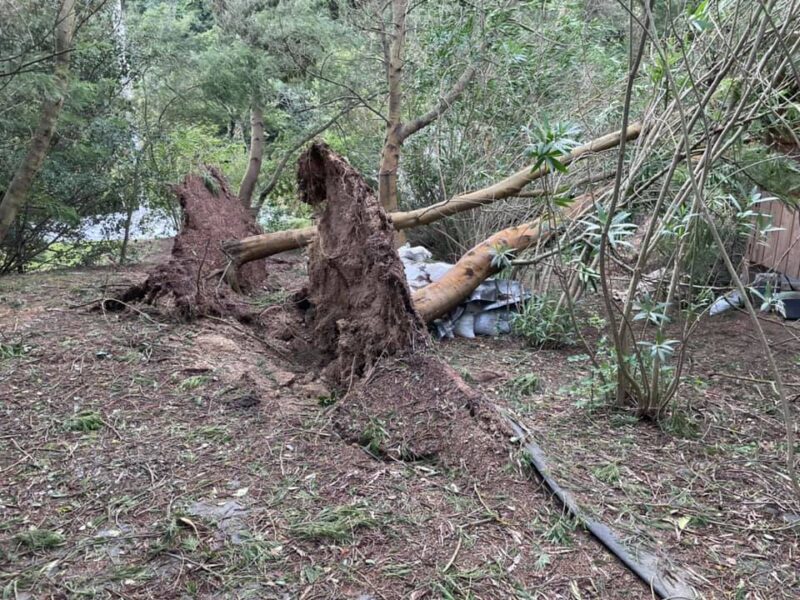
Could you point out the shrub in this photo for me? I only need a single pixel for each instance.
(544, 322)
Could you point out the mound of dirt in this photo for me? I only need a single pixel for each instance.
(418, 408)
(192, 279)
(361, 301)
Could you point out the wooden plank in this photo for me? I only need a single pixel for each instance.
(781, 250)
(792, 263)
(775, 243)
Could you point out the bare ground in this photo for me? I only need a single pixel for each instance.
(143, 458)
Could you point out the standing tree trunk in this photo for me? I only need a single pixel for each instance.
(390, 155)
(397, 131)
(250, 178)
(20, 185)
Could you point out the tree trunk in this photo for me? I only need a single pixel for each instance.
(261, 246)
(250, 178)
(475, 266)
(126, 237)
(397, 131)
(20, 185)
(387, 174)
(390, 155)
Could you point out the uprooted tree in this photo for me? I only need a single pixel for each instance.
(347, 254)
(357, 285)
(363, 313)
(195, 280)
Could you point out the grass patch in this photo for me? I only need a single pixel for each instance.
(15, 350)
(623, 420)
(193, 382)
(213, 433)
(680, 425)
(523, 386)
(84, 421)
(373, 436)
(274, 298)
(458, 584)
(40, 539)
(329, 400)
(130, 572)
(608, 473)
(254, 551)
(336, 523)
(560, 533)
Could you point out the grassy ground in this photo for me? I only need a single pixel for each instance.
(143, 458)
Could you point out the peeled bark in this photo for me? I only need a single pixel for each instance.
(20, 186)
(475, 266)
(260, 246)
(248, 185)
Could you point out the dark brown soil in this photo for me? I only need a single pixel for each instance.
(418, 408)
(187, 460)
(195, 281)
(361, 301)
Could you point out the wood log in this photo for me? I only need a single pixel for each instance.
(439, 298)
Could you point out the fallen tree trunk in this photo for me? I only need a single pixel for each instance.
(260, 246)
(439, 298)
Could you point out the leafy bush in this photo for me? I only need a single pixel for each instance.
(544, 322)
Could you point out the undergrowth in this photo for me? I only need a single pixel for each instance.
(544, 322)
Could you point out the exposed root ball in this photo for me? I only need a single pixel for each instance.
(191, 280)
(362, 304)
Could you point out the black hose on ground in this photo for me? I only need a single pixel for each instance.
(651, 577)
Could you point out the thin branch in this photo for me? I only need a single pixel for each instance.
(262, 196)
(445, 102)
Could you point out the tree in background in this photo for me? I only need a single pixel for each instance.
(18, 190)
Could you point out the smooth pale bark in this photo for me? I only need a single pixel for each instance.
(261, 246)
(248, 185)
(437, 299)
(20, 185)
(507, 188)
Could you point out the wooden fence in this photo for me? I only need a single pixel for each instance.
(780, 250)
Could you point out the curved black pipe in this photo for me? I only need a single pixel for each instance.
(601, 532)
